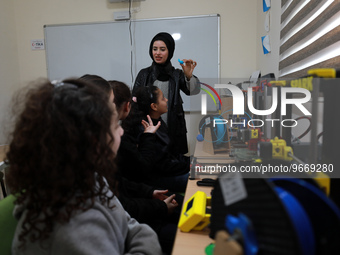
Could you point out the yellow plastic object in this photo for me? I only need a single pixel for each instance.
(281, 150)
(282, 83)
(324, 182)
(323, 72)
(254, 134)
(194, 216)
(305, 83)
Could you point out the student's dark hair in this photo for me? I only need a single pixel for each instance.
(122, 93)
(60, 154)
(145, 96)
(98, 81)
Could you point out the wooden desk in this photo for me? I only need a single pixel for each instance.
(193, 242)
(204, 157)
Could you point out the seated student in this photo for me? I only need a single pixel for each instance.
(168, 170)
(144, 152)
(141, 201)
(61, 158)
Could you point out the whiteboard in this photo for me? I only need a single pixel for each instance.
(118, 50)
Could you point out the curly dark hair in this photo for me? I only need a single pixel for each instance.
(60, 153)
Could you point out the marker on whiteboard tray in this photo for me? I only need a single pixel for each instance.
(180, 61)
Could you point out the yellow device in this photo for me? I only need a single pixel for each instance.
(194, 216)
(323, 72)
(254, 134)
(281, 150)
(282, 83)
(324, 182)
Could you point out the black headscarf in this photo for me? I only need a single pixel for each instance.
(163, 71)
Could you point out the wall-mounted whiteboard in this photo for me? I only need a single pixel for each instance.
(118, 50)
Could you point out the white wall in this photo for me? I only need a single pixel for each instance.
(9, 62)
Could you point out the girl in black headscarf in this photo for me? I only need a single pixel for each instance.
(170, 80)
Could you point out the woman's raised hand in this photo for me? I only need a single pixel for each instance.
(188, 67)
(149, 127)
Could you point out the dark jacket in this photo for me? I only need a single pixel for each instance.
(176, 121)
(143, 156)
(167, 163)
(135, 163)
(135, 159)
(136, 199)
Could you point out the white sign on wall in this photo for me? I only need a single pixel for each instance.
(37, 44)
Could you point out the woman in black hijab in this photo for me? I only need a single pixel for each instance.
(170, 80)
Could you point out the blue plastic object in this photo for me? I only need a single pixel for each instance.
(200, 137)
(243, 224)
(301, 222)
(322, 212)
(180, 61)
(219, 130)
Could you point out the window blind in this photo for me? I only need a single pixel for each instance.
(310, 36)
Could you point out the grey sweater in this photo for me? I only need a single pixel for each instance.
(99, 230)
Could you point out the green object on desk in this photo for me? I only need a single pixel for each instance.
(209, 250)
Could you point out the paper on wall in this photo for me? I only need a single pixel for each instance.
(267, 22)
(266, 5)
(266, 44)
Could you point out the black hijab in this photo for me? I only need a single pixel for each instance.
(163, 71)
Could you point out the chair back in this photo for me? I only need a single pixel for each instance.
(7, 224)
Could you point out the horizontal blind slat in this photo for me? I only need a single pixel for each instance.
(331, 63)
(323, 42)
(318, 57)
(283, 2)
(302, 15)
(289, 10)
(332, 10)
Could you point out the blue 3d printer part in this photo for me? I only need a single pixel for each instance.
(241, 225)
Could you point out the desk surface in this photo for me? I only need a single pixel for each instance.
(193, 242)
(209, 160)
(204, 157)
